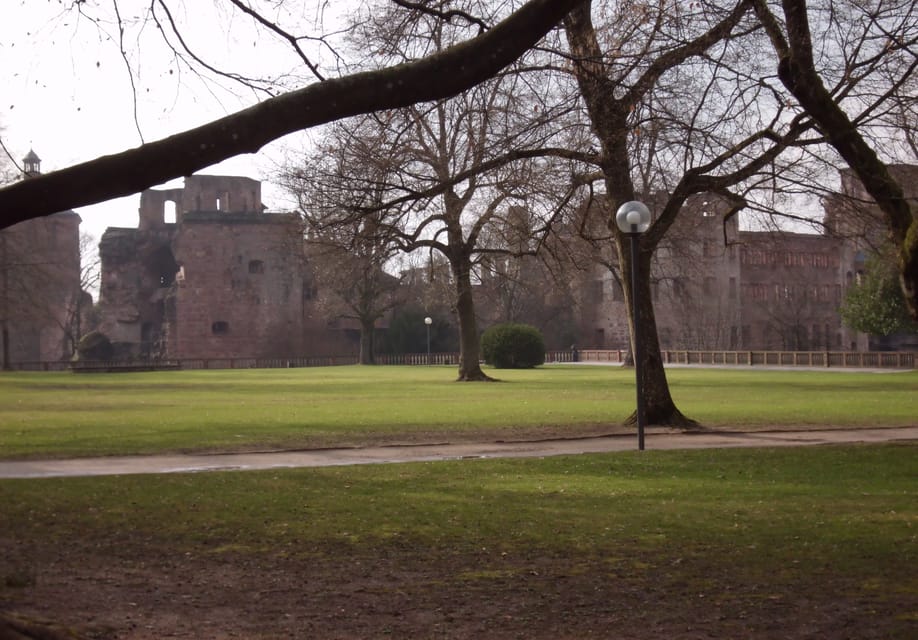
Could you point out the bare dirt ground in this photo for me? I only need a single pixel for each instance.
(100, 593)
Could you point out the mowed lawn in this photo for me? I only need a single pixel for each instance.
(815, 542)
(63, 414)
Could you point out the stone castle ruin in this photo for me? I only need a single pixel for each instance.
(41, 300)
(208, 273)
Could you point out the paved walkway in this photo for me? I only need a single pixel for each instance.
(430, 452)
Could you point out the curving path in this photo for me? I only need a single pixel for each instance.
(431, 452)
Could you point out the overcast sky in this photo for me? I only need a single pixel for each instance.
(66, 92)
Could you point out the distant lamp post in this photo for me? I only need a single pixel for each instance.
(633, 219)
(428, 322)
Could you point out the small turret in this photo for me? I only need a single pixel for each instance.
(31, 165)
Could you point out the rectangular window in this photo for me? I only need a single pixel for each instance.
(679, 288)
(710, 286)
(596, 290)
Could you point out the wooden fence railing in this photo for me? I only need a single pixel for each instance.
(839, 359)
(850, 359)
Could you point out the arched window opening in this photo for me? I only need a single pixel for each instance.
(169, 212)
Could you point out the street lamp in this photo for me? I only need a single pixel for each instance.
(428, 322)
(633, 219)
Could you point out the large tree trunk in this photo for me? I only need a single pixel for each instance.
(6, 348)
(609, 119)
(16, 627)
(469, 349)
(659, 408)
(367, 342)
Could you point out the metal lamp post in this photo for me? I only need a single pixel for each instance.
(428, 321)
(633, 219)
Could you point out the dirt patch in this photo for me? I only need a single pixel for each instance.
(130, 591)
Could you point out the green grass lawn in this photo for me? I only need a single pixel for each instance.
(853, 503)
(62, 414)
(752, 531)
(757, 543)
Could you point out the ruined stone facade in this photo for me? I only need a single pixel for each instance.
(207, 274)
(717, 287)
(854, 217)
(40, 295)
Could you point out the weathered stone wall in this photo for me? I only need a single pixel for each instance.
(240, 286)
(223, 280)
(791, 288)
(39, 287)
(718, 288)
(138, 270)
(696, 279)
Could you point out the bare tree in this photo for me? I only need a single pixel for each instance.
(668, 84)
(866, 55)
(429, 163)
(352, 284)
(431, 77)
(346, 251)
(79, 305)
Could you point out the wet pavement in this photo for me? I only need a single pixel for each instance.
(432, 452)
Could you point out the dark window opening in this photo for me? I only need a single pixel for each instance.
(161, 266)
(256, 266)
(220, 327)
(147, 339)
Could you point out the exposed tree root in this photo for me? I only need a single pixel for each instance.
(14, 627)
(475, 376)
(672, 418)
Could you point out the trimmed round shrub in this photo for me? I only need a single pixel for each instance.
(513, 346)
(95, 346)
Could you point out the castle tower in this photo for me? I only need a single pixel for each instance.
(31, 165)
(39, 284)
